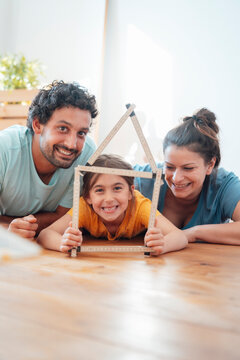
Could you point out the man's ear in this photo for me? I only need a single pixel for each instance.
(37, 128)
(211, 165)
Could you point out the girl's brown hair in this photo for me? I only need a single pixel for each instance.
(109, 161)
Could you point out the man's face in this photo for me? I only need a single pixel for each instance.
(62, 138)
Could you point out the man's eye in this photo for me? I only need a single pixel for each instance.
(63, 128)
(82, 134)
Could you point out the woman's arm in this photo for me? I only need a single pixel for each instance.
(228, 233)
(165, 237)
(60, 235)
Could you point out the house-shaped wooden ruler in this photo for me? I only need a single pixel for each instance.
(157, 173)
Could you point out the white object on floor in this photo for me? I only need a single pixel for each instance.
(13, 246)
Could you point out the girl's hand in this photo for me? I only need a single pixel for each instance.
(155, 239)
(71, 238)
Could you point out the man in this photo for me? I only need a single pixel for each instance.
(37, 162)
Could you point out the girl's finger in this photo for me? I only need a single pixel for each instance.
(71, 230)
(153, 243)
(158, 250)
(150, 237)
(70, 242)
(64, 248)
(154, 230)
(72, 237)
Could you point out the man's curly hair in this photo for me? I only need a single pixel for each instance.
(59, 95)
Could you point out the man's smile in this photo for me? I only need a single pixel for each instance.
(64, 151)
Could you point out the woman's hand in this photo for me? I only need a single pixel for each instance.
(71, 238)
(191, 234)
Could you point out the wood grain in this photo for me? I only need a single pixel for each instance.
(182, 305)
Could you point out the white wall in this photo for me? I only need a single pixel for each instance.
(65, 35)
(185, 56)
(168, 57)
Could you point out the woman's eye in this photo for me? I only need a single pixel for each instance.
(188, 168)
(118, 188)
(169, 167)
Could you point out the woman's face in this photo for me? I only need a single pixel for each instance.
(185, 171)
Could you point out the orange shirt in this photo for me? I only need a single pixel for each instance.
(134, 222)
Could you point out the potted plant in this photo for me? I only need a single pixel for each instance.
(19, 79)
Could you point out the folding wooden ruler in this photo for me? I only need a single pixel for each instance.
(122, 172)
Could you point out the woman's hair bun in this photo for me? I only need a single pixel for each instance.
(208, 118)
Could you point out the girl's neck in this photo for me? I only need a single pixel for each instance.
(113, 226)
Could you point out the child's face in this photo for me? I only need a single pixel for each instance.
(109, 198)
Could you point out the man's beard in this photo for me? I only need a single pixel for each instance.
(49, 154)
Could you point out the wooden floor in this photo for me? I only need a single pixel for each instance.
(182, 305)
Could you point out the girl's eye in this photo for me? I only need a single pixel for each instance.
(98, 190)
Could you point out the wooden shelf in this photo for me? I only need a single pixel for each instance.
(14, 105)
(4, 123)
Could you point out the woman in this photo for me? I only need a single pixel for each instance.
(195, 195)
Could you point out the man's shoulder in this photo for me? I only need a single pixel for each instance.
(89, 144)
(88, 150)
(14, 137)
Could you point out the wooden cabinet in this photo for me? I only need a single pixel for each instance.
(14, 105)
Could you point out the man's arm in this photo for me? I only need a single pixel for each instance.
(45, 219)
(29, 226)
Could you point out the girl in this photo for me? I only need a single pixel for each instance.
(110, 207)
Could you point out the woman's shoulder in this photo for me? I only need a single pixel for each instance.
(222, 184)
(222, 176)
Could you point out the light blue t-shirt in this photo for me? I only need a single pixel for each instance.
(22, 192)
(217, 201)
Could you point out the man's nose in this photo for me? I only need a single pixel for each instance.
(71, 141)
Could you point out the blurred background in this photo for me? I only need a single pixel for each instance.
(169, 58)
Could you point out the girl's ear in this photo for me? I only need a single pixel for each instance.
(88, 200)
(131, 190)
(37, 128)
(211, 166)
